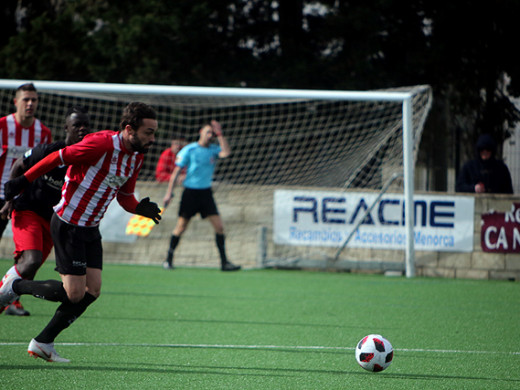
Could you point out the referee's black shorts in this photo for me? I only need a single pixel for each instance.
(76, 247)
(197, 201)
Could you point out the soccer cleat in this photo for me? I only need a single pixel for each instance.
(16, 309)
(227, 266)
(45, 351)
(7, 295)
(167, 265)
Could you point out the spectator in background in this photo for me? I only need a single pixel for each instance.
(485, 174)
(19, 132)
(166, 163)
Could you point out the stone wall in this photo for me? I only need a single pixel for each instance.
(247, 213)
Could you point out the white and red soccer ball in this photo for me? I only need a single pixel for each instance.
(374, 353)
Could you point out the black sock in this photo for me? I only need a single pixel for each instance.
(65, 315)
(50, 290)
(174, 240)
(221, 245)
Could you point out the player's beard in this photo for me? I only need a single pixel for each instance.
(138, 146)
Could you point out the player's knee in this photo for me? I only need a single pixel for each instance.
(219, 228)
(179, 230)
(27, 266)
(95, 292)
(75, 296)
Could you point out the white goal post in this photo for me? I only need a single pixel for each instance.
(408, 107)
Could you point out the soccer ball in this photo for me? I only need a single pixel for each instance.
(374, 353)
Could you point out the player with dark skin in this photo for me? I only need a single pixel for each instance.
(77, 125)
(32, 242)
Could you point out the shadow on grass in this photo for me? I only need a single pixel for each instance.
(150, 368)
(231, 322)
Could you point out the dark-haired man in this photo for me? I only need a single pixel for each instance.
(19, 132)
(103, 166)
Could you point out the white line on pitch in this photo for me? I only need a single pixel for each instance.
(274, 347)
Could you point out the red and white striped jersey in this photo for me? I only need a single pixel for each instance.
(15, 140)
(100, 167)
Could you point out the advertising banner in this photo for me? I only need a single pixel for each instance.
(500, 232)
(319, 218)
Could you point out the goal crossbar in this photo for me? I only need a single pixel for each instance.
(266, 93)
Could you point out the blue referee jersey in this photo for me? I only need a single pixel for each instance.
(199, 163)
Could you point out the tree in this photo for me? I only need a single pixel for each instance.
(463, 49)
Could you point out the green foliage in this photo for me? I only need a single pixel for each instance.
(465, 50)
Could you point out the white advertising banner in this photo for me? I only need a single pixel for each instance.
(319, 218)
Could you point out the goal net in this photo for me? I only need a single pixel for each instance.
(281, 140)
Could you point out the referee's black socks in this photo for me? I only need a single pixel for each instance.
(221, 245)
(174, 241)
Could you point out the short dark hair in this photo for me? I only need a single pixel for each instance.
(76, 110)
(134, 113)
(26, 87)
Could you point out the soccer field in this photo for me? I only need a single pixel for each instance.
(270, 329)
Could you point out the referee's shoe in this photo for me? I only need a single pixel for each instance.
(227, 266)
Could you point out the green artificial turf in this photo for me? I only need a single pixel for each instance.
(270, 329)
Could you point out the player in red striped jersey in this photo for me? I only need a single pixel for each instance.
(19, 132)
(103, 166)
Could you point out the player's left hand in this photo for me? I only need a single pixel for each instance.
(148, 209)
(5, 212)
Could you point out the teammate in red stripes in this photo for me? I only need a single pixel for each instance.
(19, 132)
(103, 166)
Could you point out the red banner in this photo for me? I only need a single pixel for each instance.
(500, 232)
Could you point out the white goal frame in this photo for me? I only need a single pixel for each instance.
(405, 98)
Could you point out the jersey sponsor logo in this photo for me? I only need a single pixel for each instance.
(114, 181)
(16, 151)
(53, 183)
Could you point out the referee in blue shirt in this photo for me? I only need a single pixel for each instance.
(199, 159)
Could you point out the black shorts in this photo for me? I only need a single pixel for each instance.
(197, 201)
(76, 247)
